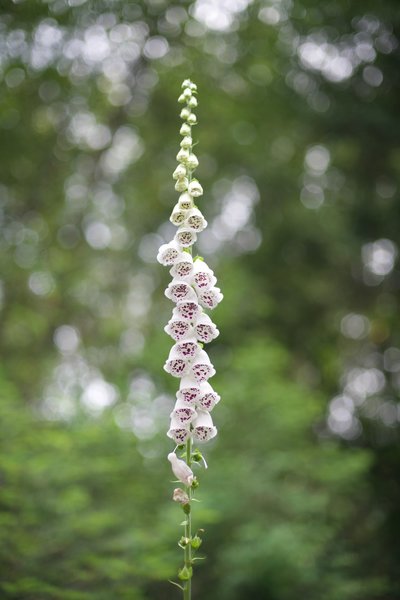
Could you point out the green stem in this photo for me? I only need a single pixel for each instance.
(187, 590)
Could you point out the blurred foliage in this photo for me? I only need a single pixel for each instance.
(300, 159)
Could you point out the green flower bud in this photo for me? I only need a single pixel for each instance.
(195, 483)
(186, 508)
(191, 118)
(185, 573)
(196, 542)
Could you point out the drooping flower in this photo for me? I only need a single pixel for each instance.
(189, 390)
(207, 398)
(178, 432)
(201, 367)
(179, 289)
(203, 427)
(175, 364)
(206, 330)
(183, 412)
(180, 469)
(203, 276)
(169, 253)
(210, 298)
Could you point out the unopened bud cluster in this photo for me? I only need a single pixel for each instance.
(192, 290)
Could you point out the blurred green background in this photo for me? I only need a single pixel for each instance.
(299, 149)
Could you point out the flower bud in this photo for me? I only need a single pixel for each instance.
(181, 99)
(196, 542)
(168, 253)
(180, 496)
(186, 83)
(195, 188)
(182, 155)
(192, 102)
(178, 216)
(192, 161)
(186, 113)
(191, 119)
(185, 573)
(195, 220)
(187, 93)
(203, 427)
(193, 86)
(202, 369)
(185, 129)
(179, 434)
(179, 172)
(186, 142)
(185, 201)
(180, 469)
(185, 237)
(182, 184)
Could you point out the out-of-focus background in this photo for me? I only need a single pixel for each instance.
(299, 148)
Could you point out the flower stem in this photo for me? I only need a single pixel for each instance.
(187, 590)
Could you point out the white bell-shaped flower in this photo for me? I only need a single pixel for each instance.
(185, 201)
(179, 172)
(178, 216)
(195, 189)
(177, 327)
(175, 364)
(169, 253)
(203, 276)
(188, 310)
(180, 469)
(179, 289)
(181, 185)
(205, 329)
(192, 119)
(186, 142)
(182, 155)
(203, 427)
(201, 367)
(188, 347)
(195, 220)
(183, 265)
(185, 129)
(185, 113)
(210, 298)
(185, 237)
(189, 390)
(178, 432)
(192, 162)
(207, 398)
(183, 412)
(192, 102)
